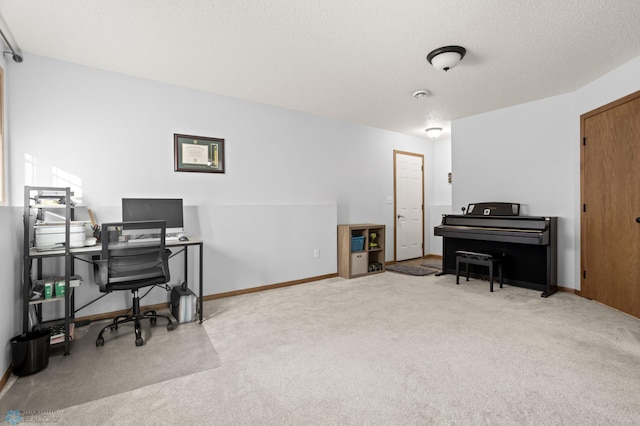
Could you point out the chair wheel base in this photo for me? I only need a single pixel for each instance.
(136, 317)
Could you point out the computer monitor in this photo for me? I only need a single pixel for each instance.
(167, 209)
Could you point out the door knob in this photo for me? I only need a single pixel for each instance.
(638, 219)
(402, 217)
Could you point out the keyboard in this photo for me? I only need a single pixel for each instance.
(152, 240)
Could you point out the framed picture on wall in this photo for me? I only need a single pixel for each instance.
(198, 154)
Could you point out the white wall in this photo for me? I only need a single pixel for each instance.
(441, 191)
(10, 279)
(10, 262)
(290, 177)
(441, 168)
(530, 154)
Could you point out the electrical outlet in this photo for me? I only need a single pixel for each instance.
(316, 253)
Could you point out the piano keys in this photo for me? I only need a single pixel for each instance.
(528, 243)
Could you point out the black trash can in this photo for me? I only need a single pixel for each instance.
(30, 352)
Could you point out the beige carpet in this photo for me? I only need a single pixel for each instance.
(91, 372)
(395, 349)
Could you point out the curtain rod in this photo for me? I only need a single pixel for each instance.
(15, 56)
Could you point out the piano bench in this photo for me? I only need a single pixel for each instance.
(483, 259)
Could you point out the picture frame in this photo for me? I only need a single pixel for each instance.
(198, 154)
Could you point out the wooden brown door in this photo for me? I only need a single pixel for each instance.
(610, 192)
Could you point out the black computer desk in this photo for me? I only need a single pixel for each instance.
(82, 252)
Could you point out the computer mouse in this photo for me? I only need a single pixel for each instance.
(183, 238)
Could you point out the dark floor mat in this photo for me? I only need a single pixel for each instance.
(411, 269)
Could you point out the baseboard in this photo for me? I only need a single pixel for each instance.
(112, 314)
(5, 378)
(433, 256)
(267, 287)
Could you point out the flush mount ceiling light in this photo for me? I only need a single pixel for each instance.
(433, 132)
(420, 94)
(445, 58)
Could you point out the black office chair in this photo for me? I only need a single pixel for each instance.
(131, 266)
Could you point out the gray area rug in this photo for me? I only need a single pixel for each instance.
(412, 269)
(90, 373)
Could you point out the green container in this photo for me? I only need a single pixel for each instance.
(48, 290)
(60, 287)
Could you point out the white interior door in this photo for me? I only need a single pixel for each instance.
(409, 201)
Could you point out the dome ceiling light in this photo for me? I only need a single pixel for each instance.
(434, 132)
(445, 58)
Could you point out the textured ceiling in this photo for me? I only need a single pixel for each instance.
(353, 60)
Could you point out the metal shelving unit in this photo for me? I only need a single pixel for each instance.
(38, 200)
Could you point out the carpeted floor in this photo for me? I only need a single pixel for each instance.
(117, 367)
(389, 349)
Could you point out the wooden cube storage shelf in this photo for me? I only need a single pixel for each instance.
(370, 260)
